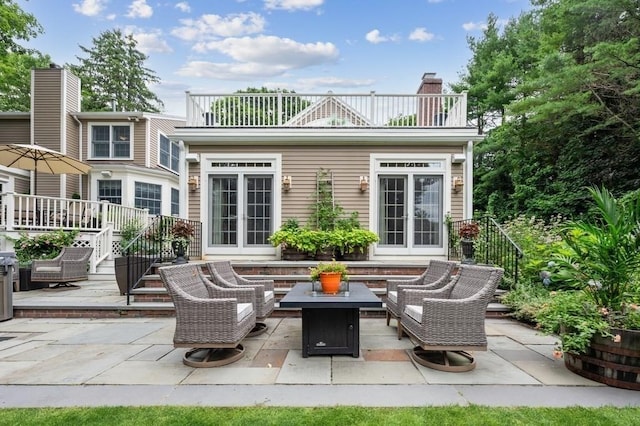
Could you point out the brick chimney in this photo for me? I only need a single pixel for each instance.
(429, 107)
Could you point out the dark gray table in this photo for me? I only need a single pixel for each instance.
(330, 323)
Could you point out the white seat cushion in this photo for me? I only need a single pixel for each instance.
(393, 296)
(268, 295)
(48, 269)
(414, 311)
(244, 310)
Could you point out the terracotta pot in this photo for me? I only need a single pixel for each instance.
(330, 282)
(608, 362)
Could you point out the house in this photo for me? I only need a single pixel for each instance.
(244, 163)
(134, 163)
(402, 162)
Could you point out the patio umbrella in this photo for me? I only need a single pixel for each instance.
(40, 160)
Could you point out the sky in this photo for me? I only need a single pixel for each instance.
(310, 46)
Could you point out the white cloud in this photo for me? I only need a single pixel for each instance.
(271, 50)
(152, 42)
(208, 27)
(110, 17)
(183, 6)
(139, 9)
(334, 82)
(292, 4)
(474, 26)
(375, 37)
(421, 34)
(89, 7)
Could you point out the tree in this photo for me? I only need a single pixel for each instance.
(114, 71)
(16, 61)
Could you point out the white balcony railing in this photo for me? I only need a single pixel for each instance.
(329, 110)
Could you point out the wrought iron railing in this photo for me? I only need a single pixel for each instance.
(492, 246)
(152, 246)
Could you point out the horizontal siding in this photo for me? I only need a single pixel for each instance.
(15, 131)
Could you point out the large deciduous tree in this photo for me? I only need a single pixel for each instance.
(16, 61)
(113, 73)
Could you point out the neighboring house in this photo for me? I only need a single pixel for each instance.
(403, 162)
(134, 163)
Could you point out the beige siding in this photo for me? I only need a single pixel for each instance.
(167, 128)
(72, 104)
(15, 130)
(21, 185)
(140, 143)
(347, 163)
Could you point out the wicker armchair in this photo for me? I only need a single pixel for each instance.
(70, 265)
(448, 322)
(437, 275)
(210, 320)
(222, 274)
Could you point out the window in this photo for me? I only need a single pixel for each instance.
(148, 196)
(110, 141)
(110, 190)
(175, 202)
(169, 153)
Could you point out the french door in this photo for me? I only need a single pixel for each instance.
(241, 210)
(410, 212)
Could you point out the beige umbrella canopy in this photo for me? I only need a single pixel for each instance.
(40, 160)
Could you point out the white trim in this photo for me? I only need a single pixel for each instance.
(171, 143)
(375, 171)
(110, 124)
(206, 170)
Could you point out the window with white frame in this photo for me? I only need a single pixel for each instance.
(148, 196)
(110, 190)
(175, 202)
(169, 153)
(110, 141)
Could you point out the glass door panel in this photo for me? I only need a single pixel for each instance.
(427, 219)
(259, 210)
(223, 205)
(392, 211)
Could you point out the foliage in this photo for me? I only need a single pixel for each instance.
(525, 300)
(258, 108)
(599, 266)
(128, 232)
(469, 230)
(325, 211)
(182, 231)
(332, 266)
(348, 240)
(114, 71)
(42, 246)
(16, 60)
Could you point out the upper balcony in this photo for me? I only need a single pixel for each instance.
(331, 110)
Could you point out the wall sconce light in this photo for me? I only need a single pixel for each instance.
(106, 173)
(364, 183)
(458, 183)
(286, 183)
(194, 183)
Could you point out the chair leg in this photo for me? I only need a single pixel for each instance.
(212, 357)
(388, 318)
(400, 332)
(258, 329)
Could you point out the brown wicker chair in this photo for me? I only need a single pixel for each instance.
(209, 319)
(70, 265)
(437, 275)
(448, 322)
(222, 274)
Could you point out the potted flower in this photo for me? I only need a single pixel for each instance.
(330, 275)
(181, 233)
(353, 244)
(468, 232)
(595, 310)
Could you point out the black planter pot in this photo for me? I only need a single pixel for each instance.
(358, 254)
(468, 251)
(137, 266)
(293, 254)
(179, 249)
(25, 281)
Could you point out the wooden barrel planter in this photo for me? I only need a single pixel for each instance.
(614, 364)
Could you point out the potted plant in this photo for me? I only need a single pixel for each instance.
(596, 310)
(290, 240)
(181, 233)
(468, 232)
(353, 244)
(330, 275)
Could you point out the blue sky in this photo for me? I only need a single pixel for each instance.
(310, 46)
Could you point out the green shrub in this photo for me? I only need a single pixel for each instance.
(43, 246)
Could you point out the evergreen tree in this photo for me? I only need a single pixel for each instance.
(114, 71)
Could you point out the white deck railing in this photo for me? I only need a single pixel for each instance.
(34, 212)
(328, 110)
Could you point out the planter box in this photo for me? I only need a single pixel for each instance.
(25, 281)
(138, 264)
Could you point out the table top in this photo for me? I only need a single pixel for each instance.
(302, 296)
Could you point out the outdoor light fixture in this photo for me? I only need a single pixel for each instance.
(458, 183)
(364, 183)
(194, 183)
(106, 173)
(286, 183)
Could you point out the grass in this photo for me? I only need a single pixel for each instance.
(454, 415)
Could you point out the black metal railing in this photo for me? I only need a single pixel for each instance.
(492, 246)
(152, 246)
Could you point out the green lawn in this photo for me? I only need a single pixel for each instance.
(455, 415)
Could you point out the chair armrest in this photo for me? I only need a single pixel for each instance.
(243, 295)
(44, 262)
(415, 297)
(392, 285)
(266, 284)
